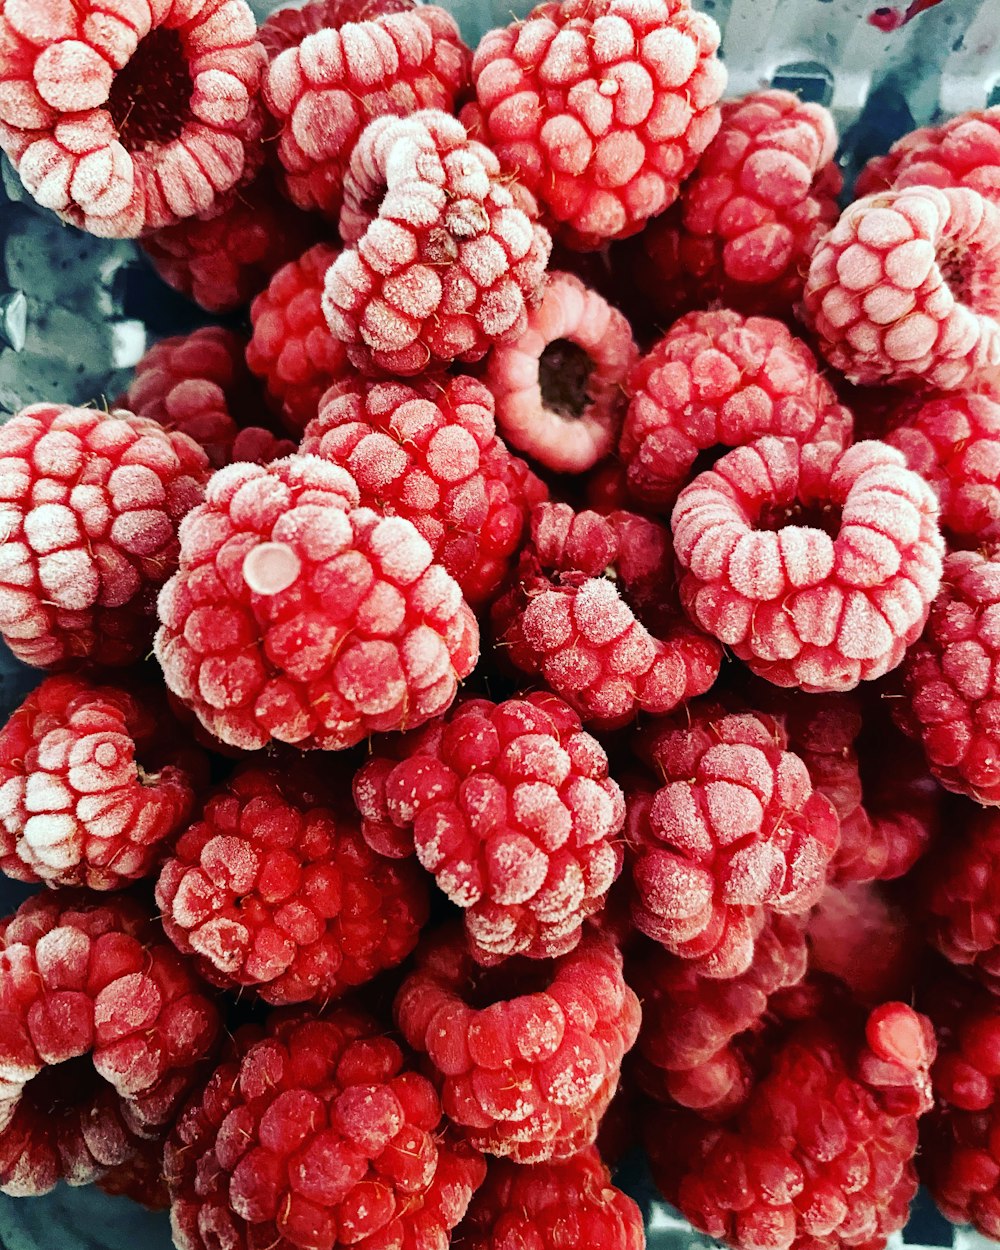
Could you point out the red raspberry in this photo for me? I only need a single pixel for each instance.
(90, 506)
(441, 262)
(961, 894)
(104, 1033)
(275, 890)
(962, 152)
(299, 616)
(124, 122)
(325, 88)
(429, 452)
(511, 807)
(816, 566)
(903, 289)
(715, 380)
(548, 1206)
(255, 445)
(734, 833)
(286, 28)
(559, 386)
(601, 108)
(140, 1179)
(527, 1058)
(313, 1136)
(848, 925)
(609, 653)
(747, 220)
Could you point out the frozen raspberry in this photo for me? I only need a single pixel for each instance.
(324, 90)
(962, 152)
(133, 120)
(275, 889)
(429, 452)
(734, 833)
(904, 289)
(511, 807)
(286, 28)
(849, 924)
(104, 1034)
(256, 445)
(292, 348)
(601, 108)
(559, 386)
(716, 380)
(90, 503)
(299, 616)
(527, 1058)
(594, 611)
(816, 566)
(315, 1136)
(549, 1206)
(441, 260)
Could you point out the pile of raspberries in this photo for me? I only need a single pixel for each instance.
(526, 688)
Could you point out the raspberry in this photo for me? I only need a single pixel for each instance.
(962, 152)
(816, 566)
(324, 89)
(849, 923)
(903, 289)
(140, 1179)
(448, 262)
(734, 833)
(551, 1205)
(610, 653)
(511, 807)
(286, 28)
(716, 380)
(105, 1031)
(428, 452)
(747, 220)
(291, 347)
(134, 121)
(527, 1058)
(299, 616)
(275, 890)
(961, 895)
(559, 385)
(90, 506)
(255, 445)
(312, 1136)
(601, 108)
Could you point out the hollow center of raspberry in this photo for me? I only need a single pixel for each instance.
(816, 516)
(150, 97)
(564, 375)
(60, 1087)
(971, 284)
(271, 568)
(513, 978)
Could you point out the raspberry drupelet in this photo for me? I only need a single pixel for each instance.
(286, 28)
(964, 151)
(594, 611)
(127, 122)
(89, 510)
(442, 258)
(960, 898)
(274, 889)
(717, 380)
(428, 451)
(527, 1059)
(511, 807)
(91, 787)
(904, 289)
(105, 1034)
(734, 833)
(816, 566)
(559, 386)
(299, 616)
(601, 108)
(314, 1134)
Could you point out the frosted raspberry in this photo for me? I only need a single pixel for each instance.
(132, 120)
(105, 1031)
(964, 151)
(299, 616)
(594, 611)
(559, 386)
(441, 261)
(904, 289)
(816, 566)
(527, 1058)
(429, 452)
(90, 503)
(601, 108)
(286, 28)
(275, 889)
(511, 807)
(551, 1205)
(316, 1135)
(734, 833)
(851, 922)
(324, 90)
(716, 380)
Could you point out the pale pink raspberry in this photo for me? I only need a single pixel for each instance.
(964, 151)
